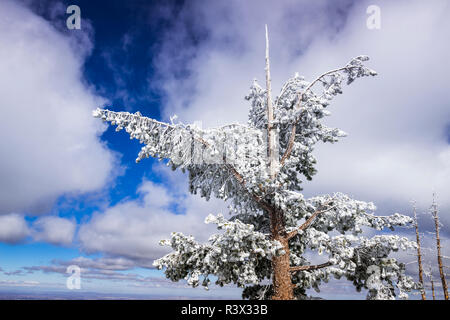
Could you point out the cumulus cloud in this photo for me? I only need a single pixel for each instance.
(51, 229)
(397, 148)
(54, 230)
(13, 228)
(50, 143)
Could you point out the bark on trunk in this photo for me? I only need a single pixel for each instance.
(282, 282)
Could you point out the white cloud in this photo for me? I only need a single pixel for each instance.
(132, 229)
(54, 230)
(16, 283)
(50, 142)
(13, 228)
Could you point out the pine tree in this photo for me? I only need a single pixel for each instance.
(432, 285)
(259, 167)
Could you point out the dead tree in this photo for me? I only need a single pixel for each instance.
(432, 285)
(419, 254)
(259, 167)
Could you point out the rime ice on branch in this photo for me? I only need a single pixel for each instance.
(272, 225)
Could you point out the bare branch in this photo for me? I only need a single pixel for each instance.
(288, 151)
(326, 74)
(273, 158)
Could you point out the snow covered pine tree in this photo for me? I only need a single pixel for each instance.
(258, 167)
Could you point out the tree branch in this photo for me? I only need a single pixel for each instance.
(308, 222)
(309, 268)
(240, 179)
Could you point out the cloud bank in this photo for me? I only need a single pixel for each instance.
(397, 148)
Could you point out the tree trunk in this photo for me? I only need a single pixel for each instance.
(439, 255)
(432, 289)
(419, 256)
(282, 282)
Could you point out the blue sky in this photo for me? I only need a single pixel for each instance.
(71, 190)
